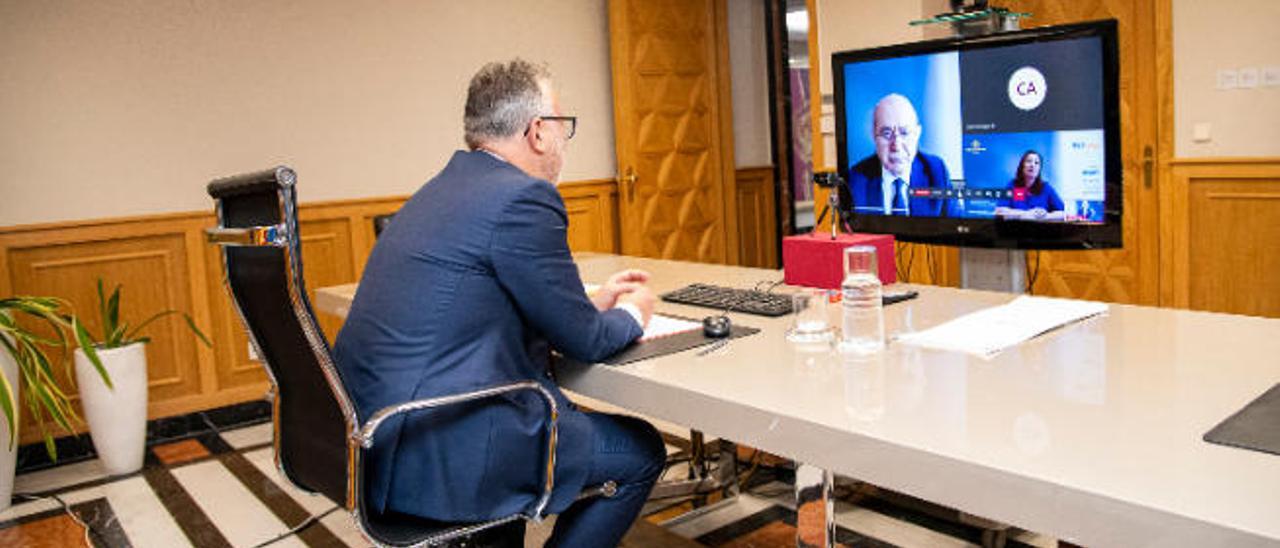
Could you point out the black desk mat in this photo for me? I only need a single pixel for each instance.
(671, 344)
(1255, 427)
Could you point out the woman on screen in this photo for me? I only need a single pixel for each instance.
(1032, 197)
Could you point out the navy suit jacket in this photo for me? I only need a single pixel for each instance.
(927, 171)
(464, 290)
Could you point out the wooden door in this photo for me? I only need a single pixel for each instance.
(673, 129)
(1130, 274)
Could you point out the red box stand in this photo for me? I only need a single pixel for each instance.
(815, 260)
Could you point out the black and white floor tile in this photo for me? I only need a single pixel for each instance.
(219, 488)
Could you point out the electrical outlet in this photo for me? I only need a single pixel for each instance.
(1228, 79)
(1271, 76)
(1200, 132)
(1248, 78)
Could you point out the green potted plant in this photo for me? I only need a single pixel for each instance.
(25, 367)
(117, 410)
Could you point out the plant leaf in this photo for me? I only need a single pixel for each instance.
(86, 345)
(113, 311)
(116, 338)
(147, 322)
(192, 324)
(102, 305)
(6, 404)
(7, 395)
(56, 411)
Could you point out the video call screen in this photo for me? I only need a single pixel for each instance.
(1010, 132)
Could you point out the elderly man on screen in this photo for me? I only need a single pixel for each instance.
(882, 184)
(471, 286)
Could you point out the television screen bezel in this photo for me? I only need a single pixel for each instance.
(1000, 233)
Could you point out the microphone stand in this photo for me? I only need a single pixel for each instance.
(831, 181)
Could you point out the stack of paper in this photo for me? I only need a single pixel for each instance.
(987, 332)
(661, 326)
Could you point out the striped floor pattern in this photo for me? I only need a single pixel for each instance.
(220, 489)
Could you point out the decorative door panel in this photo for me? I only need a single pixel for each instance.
(669, 118)
(1130, 274)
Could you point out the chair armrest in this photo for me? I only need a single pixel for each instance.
(258, 236)
(364, 436)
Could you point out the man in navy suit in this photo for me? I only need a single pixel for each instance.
(882, 184)
(470, 286)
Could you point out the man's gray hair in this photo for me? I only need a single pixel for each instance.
(502, 99)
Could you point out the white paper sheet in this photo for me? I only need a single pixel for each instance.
(990, 331)
(661, 326)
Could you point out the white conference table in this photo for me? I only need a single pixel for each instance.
(1091, 433)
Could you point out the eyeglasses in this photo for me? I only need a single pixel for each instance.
(902, 132)
(571, 120)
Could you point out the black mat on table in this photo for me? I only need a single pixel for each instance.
(1255, 427)
(671, 344)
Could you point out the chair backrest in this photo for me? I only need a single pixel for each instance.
(313, 415)
(380, 223)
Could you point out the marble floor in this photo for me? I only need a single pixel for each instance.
(219, 488)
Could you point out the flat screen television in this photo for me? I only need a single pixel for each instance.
(1010, 140)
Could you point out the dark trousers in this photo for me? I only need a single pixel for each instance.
(629, 452)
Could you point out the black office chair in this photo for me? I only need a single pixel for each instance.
(319, 443)
(380, 223)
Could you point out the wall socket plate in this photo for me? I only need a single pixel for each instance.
(1248, 78)
(1271, 76)
(1228, 78)
(1201, 132)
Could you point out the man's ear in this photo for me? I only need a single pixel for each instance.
(534, 137)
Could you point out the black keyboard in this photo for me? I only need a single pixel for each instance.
(751, 301)
(735, 300)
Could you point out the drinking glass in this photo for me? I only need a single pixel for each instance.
(809, 319)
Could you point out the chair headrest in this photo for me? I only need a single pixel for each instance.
(267, 180)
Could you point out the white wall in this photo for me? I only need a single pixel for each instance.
(857, 24)
(749, 65)
(1213, 36)
(121, 107)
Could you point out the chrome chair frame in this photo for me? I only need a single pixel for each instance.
(359, 437)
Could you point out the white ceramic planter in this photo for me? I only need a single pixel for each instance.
(8, 455)
(117, 417)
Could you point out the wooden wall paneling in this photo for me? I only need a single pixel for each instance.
(163, 262)
(149, 260)
(326, 260)
(757, 238)
(1222, 219)
(202, 310)
(928, 264)
(234, 368)
(593, 215)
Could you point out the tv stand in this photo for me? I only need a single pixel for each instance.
(982, 268)
(993, 269)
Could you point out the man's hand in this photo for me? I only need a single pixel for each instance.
(642, 298)
(619, 284)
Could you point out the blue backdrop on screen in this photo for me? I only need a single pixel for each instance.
(930, 82)
(992, 159)
(1071, 163)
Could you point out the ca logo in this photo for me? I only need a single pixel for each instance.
(1027, 88)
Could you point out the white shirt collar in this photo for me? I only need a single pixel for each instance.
(494, 154)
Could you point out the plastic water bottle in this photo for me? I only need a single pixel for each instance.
(863, 311)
